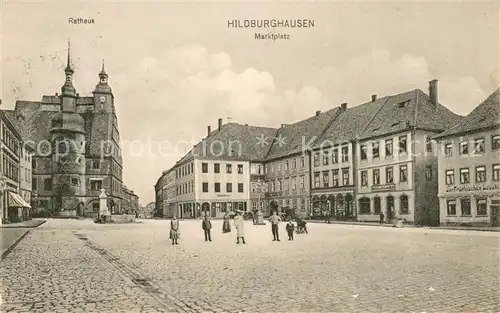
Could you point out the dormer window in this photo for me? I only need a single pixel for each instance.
(403, 104)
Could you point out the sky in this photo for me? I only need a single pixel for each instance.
(177, 67)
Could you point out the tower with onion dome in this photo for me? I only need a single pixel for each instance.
(67, 134)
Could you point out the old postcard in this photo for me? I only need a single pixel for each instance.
(231, 156)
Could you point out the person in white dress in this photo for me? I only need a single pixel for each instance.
(239, 224)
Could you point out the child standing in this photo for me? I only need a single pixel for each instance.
(289, 229)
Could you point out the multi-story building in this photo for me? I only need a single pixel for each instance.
(77, 147)
(166, 194)
(13, 206)
(130, 202)
(397, 164)
(334, 162)
(160, 183)
(26, 177)
(469, 167)
(288, 164)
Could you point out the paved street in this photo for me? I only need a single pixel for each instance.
(79, 266)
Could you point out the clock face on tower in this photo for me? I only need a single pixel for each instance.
(102, 99)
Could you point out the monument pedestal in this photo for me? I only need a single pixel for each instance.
(259, 218)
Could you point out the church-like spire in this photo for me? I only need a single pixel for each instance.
(103, 72)
(67, 89)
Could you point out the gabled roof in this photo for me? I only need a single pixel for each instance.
(348, 125)
(407, 110)
(293, 138)
(233, 142)
(486, 115)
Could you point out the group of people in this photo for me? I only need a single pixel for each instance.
(239, 224)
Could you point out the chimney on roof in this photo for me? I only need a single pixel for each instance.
(209, 130)
(433, 91)
(374, 98)
(220, 124)
(318, 113)
(57, 94)
(283, 125)
(343, 107)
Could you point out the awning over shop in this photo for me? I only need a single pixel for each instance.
(15, 200)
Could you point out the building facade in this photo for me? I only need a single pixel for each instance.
(397, 164)
(469, 167)
(77, 148)
(130, 203)
(13, 206)
(26, 178)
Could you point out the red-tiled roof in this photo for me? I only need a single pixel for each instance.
(485, 115)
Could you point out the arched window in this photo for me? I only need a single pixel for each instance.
(404, 204)
(364, 206)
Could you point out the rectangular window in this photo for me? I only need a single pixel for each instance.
(229, 187)
(376, 177)
(229, 168)
(326, 158)
(326, 178)
(302, 182)
(364, 178)
(33, 163)
(335, 156)
(480, 174)
(345, 177)
(217, 187)
(316, 159)
(428, 144)
(375, 150)
(465, 207)
(204, 167)
(302, 162)
(240, 168)
(34, 183)
(294, 183)
(364, 155)
(428, 172)
(216, 168)
(240, 187)
(294, 163)
(495, 142)
(204, 187)
(316, 180)
(448, 149)
(389, 175)
(450, 177)
(451, 207)
(479, 146)
(345, 154)
(388, 147)
(464, 148)
(95, 185)
(74, 181)
(286, 166)
(481, 207)
(404, 205)
(335, 178)
(47, 184)
(464, 176)
(95, 164)
(403, 173)
(403, 145)
(496, 172)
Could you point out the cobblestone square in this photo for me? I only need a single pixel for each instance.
(79, 266)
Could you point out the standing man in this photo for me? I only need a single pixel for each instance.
(206, 224)
(381, 217)
(275, 220)
(174, 230)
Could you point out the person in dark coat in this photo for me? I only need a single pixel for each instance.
(289, 229)
(174, 230)
(226, 226)
(206, 224)
(382, 216)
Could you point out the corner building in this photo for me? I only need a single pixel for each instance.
(77, 148)
(469, 167)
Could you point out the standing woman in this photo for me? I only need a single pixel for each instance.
(174, 230)
(226, 227)
(239, 224)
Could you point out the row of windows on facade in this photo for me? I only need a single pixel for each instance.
(47, 184)
(335, 156)
(294, 203)
(229, 168)
(184, 170)
(27, 174)
(96, 164)
(283, 184)
(217, 187)
(465, 207)
(10, 140)
(185, 188)
(389, 175)
(10, 168)
(278, 168)
(389, 148)
(480, 174)
(478, 145)
(365, 205)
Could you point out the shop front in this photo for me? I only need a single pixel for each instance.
(338, 205)
(18, 209)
